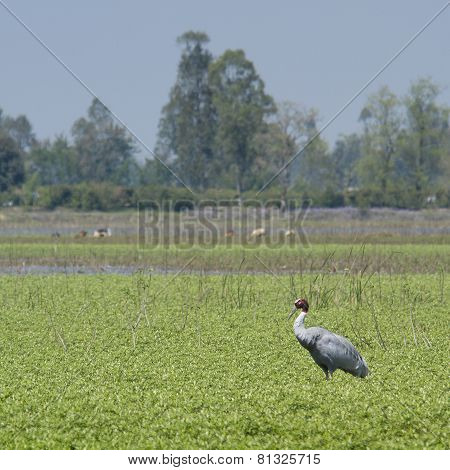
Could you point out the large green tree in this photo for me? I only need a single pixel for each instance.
(315, 168)
(382, 125)
(16, 137)
(104, 149)
(241, 105)
(346, 154)
(279, 141)
(19, 129)
(188, 122)
(54, 163)
(11, 163)
(425, 141)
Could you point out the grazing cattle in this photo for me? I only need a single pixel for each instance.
(102, 232)
(56, 235)
(229, 233)
(289, 233)
(81, 234)
(258, 233)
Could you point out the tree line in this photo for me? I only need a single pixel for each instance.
(225, 137)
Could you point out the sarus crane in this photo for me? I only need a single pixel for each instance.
(329, 350)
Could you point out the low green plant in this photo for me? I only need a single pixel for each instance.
(210, 361)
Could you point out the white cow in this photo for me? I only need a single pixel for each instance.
(102, 232)
(258, 233)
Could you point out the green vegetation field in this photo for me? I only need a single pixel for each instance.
(334, 258)
(210, 361)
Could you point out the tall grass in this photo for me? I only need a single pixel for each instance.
(327, 258)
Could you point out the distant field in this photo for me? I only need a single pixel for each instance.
(194, 361)
(351, 226)
(321, 258)
(337, 241)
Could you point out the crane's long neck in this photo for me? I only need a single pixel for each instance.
(299, 328)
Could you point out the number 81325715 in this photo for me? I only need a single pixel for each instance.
(289, 459)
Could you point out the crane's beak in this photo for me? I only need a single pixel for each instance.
(292, 312)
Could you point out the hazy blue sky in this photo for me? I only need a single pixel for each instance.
(318, 53)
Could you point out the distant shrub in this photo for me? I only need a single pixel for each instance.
(50, 197)
(330, 198)
(107, 196)
(443, 198)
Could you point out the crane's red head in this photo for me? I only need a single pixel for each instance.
(302, 304)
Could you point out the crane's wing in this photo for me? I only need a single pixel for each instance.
(340, 353)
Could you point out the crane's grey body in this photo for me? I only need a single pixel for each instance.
(330, 351)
